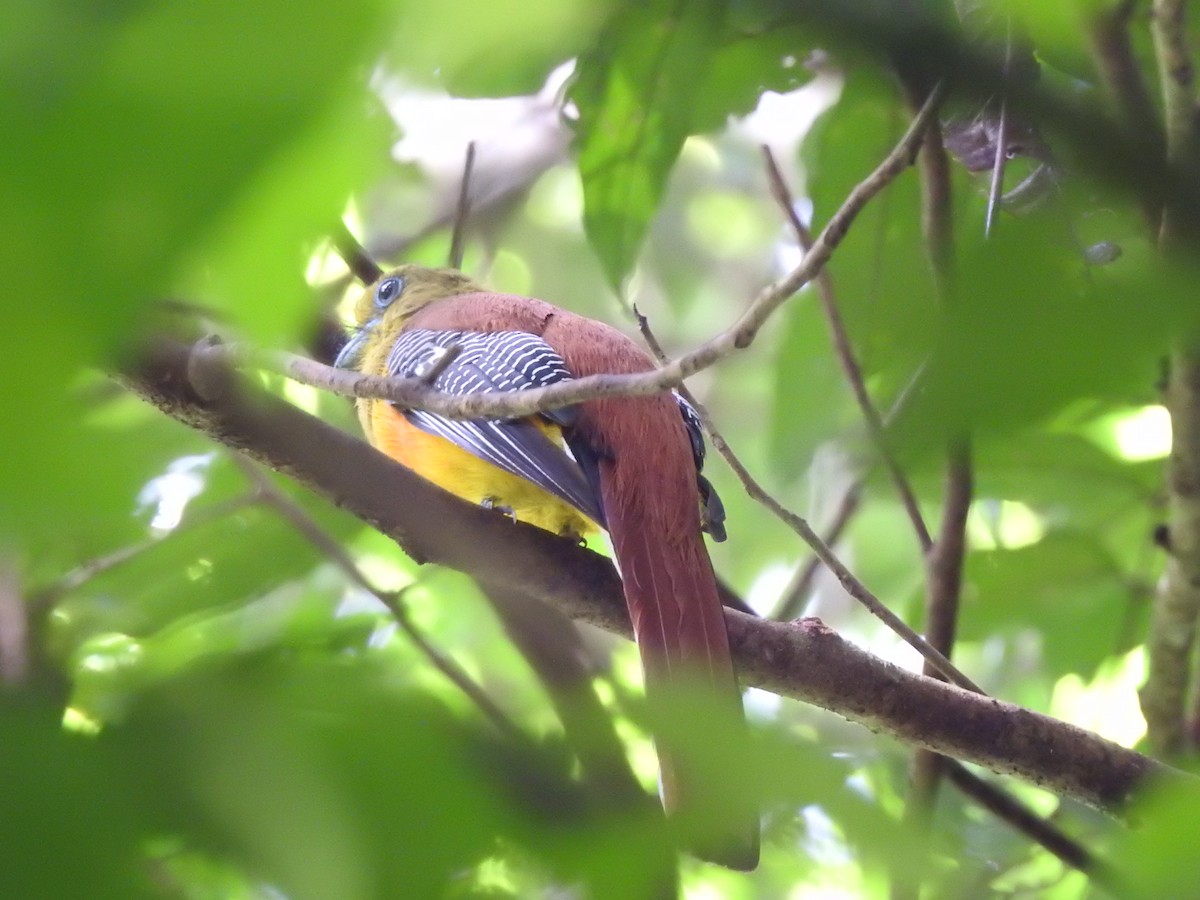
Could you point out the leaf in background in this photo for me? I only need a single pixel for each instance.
(1032, 331)
(68, 825)
(508, 49)
(880, 271)
(317, 775)
(1067, 587)
(133, 130)
(633, 90)
(745, 65)
(1157, 858)
(1065, 477)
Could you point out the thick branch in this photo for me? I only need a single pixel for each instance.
(807, 662)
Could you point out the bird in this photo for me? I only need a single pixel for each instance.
(630, 465)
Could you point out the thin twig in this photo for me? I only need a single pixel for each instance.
(462, 212)
(1008, 808)
(311, 531)
(849, 582)
(791, 601)
(45, 596)
(360, 263)
(412, 394)
(845, 354)
(996, 189)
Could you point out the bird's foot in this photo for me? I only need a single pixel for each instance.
(573, 536)
(494, 503)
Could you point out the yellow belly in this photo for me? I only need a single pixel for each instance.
(454, 469)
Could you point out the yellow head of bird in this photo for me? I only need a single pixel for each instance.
(384, 306)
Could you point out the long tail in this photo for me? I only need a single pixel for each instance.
(679, 623)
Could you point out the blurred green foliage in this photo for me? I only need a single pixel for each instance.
(220, 715)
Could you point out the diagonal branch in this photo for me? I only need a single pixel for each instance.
(306, 526)
(462, 212)
(845, 355)
(934, 659)
(413, 394)
(805, 661)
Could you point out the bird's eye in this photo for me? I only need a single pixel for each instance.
(389, 289)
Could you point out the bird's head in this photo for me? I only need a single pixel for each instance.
(385, 305)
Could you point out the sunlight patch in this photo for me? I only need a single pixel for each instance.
(1136, 434)
(1109, 704)
(170, 493)
(1008, 524)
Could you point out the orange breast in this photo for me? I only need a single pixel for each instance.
(450, 467)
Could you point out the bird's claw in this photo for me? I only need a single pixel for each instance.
(493, 503)
(574, 537)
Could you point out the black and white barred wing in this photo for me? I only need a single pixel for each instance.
(498, 361)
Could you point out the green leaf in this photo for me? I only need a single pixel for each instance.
(69, 825)
(743, 67)
(1067, 587)
(1031, 331)
(880, 271)
(129, 155)
(633, 91)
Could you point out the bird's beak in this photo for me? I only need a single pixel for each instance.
(350, 356)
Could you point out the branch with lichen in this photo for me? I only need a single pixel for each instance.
(1177, 605)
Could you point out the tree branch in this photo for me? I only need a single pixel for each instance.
(462, 212)
(1177, 605)
(1122, 79)
(804, 661)
(944, 558)
(411, 393)
(845, 354)
(855, 588)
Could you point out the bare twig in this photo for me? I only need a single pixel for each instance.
(411, 393)
(311, 531)
(849, 582)
(845, 354)
(944, 559)
(996, 189)
(791, 601)
(360, 263)
(462, 213)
